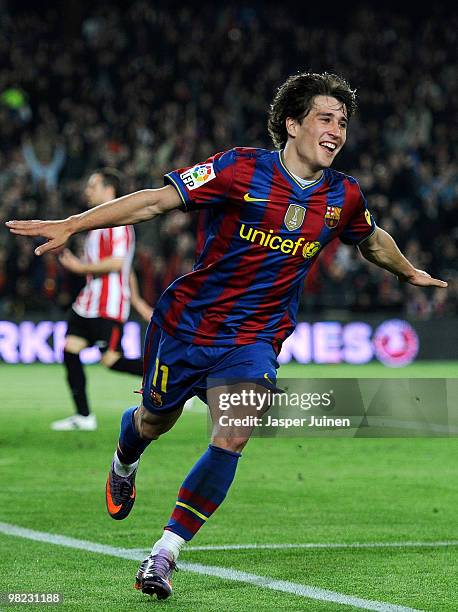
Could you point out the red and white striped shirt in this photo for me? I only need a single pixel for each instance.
(107, 295)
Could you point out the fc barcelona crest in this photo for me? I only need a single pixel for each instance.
(332, 216)
(294, 217)
(156, 398)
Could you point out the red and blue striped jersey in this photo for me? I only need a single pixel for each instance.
(260, 233)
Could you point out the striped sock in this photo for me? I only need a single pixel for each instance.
(203, 490)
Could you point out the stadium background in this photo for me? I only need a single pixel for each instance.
(149, 86)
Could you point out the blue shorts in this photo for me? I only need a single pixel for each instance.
(175, 371)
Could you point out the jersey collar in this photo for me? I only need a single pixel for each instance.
(292, 179)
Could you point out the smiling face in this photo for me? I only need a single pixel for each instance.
(314, 142)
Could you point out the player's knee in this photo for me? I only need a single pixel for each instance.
(146, 431)
(148, 426)
(109, 358)
(74, 344)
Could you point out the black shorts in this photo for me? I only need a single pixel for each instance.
(104, 333)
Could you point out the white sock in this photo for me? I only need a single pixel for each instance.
(123, 469)
(171, 542)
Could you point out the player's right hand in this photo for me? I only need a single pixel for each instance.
(56, 232)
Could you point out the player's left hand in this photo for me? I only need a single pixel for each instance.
(71, 262)
(420, 278)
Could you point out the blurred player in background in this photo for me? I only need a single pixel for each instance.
(101, 308)
(268, 215)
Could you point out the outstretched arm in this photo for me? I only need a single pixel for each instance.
(381, 249)
(133, 208)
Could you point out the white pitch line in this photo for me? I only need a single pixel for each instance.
(265, 582)
(296, 589)
(323, 545)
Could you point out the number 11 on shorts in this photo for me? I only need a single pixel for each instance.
(165, 376)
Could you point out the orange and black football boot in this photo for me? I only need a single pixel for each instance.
(120, 494)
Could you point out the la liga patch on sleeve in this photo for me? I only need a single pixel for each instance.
(198, 176)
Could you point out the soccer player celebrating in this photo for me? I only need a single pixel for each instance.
(267, 216)
(98, 314)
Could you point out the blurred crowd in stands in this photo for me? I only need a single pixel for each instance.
(147, 87)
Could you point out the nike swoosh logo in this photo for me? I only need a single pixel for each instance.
(266, 376)
(248, 198)
(112, 507)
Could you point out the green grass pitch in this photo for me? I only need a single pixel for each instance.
(321, 490)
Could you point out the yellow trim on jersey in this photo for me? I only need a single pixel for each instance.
(280, 157)
(177, 187)
(199, 514)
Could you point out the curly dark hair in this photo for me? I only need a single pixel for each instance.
(295, 97)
